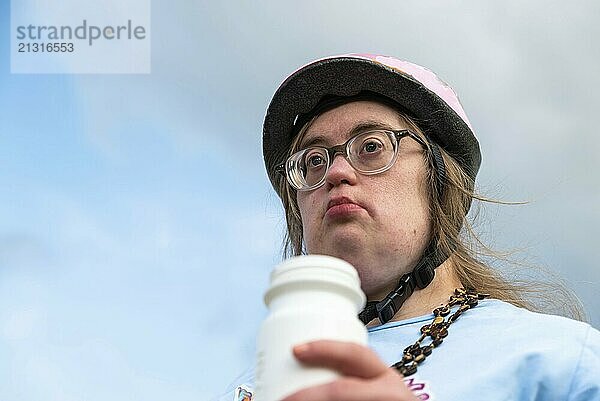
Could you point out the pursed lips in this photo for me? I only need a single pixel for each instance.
(342, 200)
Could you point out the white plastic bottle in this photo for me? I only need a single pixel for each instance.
(311, 297)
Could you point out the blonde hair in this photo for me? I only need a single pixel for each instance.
(455, 236)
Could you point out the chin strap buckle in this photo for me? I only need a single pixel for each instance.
(418, 278)
(387, 308)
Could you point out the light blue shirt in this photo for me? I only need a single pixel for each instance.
(493, 352)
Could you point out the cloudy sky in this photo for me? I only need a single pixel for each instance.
(138, 228)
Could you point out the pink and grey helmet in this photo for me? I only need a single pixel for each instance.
(412, 88)
(325, 83)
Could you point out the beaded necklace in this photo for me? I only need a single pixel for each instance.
(437, 330)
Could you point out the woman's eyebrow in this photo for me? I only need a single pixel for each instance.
(363, 126)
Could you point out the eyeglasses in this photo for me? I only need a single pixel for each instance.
(370, 152)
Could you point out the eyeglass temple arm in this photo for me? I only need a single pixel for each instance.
(402, 133)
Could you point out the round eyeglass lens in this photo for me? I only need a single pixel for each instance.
(314, 165)
(372, 152)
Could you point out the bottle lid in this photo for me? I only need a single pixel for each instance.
(317, 268)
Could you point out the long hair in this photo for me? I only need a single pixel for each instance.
(454, 234)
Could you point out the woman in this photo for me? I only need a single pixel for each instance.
(375, 162)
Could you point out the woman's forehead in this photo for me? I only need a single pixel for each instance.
(343, 121)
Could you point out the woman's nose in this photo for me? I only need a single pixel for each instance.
(340, 172)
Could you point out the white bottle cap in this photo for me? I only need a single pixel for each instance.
(324, 269)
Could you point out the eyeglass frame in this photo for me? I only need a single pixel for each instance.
(343, 149)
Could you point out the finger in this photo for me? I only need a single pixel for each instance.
(388, 387)
(349, 359)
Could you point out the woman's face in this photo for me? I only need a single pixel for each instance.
(378, 223)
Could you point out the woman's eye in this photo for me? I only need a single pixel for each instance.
(371, 146)
(315, 161)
